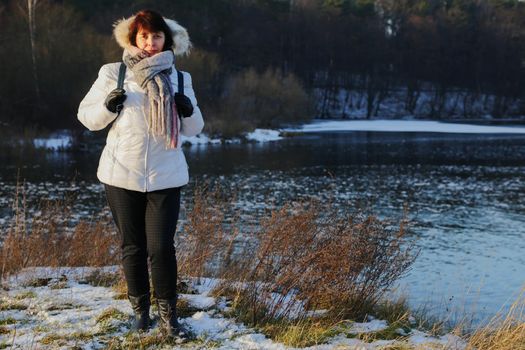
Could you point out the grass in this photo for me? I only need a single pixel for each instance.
(41, 329)
(64, 339)
(38, 282)
(25, 295)
(112, 313)
(110, 320)
(303, 333)
(90, 243)
(99, 278)
(389, 333)
(120, 289)
(203, 343)
(58, 285)
(64, 306)
(5, 305)
(139, 341)
(184, 309)
(7, 321)
(504, 331)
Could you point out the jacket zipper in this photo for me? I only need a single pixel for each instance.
(146, 153)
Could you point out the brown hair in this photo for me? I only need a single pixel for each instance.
(152, 22)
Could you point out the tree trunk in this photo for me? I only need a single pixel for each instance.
(31, 6)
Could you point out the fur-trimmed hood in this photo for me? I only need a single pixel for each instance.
(181, 39)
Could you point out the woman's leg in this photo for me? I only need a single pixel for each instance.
(128, 209)
(162, 213)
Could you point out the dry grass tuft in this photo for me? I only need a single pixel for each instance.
(100, 278)
(502, 332)
(302, 333)
(91, 243)
(207, 237)
(120, 289)
(308, 259)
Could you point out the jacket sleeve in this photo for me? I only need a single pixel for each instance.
(193, 125)
(92, 112)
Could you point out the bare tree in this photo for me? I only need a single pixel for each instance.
(31, 10)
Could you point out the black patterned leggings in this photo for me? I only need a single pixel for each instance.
(147, 222)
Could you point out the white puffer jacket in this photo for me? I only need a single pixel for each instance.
(133, 158)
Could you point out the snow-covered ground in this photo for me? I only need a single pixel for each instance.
(63, 140)
(404, 126)
(60, 140)
(56, 308)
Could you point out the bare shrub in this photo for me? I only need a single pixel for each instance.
(205, 243)
(266, 100)
(44, 238)
(309, 258)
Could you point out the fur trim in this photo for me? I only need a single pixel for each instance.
(181, 39)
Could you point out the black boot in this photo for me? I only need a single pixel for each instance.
(140, 307)
(168, 318)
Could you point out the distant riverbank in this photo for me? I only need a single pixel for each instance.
(65, 140)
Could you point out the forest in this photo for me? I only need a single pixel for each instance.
(265, 63)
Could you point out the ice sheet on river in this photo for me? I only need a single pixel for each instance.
(405, 126)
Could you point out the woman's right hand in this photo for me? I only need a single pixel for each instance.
(114, 101)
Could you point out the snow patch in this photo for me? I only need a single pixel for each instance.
(368, 327)
(264, 135)
(405, 126)
(61, 140)
(199, 301)
(200, 139)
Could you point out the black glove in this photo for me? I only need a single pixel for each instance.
(114, 101)
(184, 106)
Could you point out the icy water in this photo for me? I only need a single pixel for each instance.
(464, 193)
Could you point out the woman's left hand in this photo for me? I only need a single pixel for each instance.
(184, 106)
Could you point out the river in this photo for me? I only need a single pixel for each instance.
(464, 193)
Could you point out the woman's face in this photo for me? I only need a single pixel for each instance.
(151, 42)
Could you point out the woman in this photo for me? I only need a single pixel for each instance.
(142, 165)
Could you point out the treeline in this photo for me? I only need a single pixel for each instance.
(265, 62)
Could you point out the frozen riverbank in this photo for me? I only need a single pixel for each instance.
(62, 307)
(63, 140)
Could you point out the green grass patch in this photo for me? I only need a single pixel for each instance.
(301, 334)
(63, 339)
(4, 306)
(112, 313)
(202, 342)
(402, 346)
(295, 333)
(25, 295)
(290, 133)
(184, 309)
(41, 329)
(58, 285)
(7, 321)
(121, 290)
(102, 279)
(38, 282)
(65, 306)
(110, 321)
(395, 331)
(140, 341)
(393, 310)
